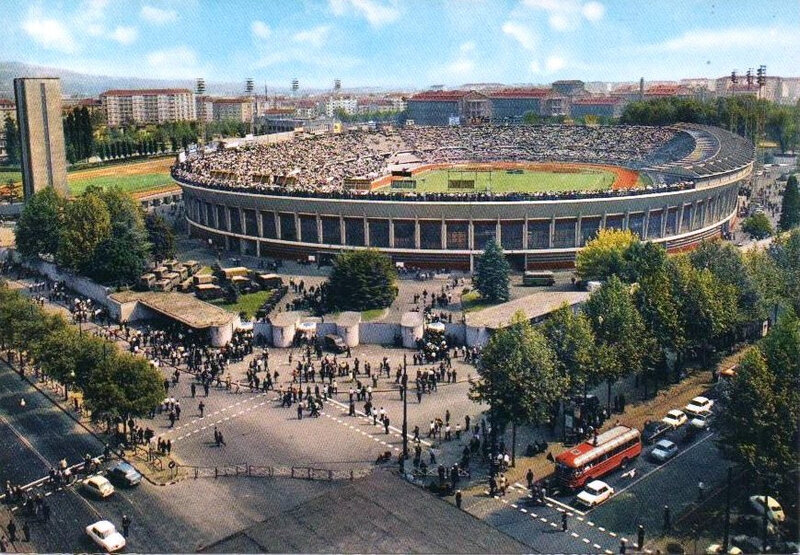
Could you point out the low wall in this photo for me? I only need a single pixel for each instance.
(378, 333)
(86, 287)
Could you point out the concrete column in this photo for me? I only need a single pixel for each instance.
(319, 229)
(242, 222)
(297, 232)
(470, 241)
(645, 225)
(391, 233)
(277, 225)
(366, 231)
(664, 216)
(626, 220)
(258, 247)
(342, 235)
(260, 223)
(679, 224)
(603, 220)
(416, 234)
(498, 233)
(228, 218)
(444, 234)
(525, 236)
(551, 239)
(578, 230)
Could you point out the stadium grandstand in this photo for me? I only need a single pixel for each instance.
(357, 189)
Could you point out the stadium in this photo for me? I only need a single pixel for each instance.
(432, 197)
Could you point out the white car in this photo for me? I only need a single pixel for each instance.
(699, 405)
(98, 486)
(774, 510)
(675, 418)
(105, 534)
(664, 450)
(595, 493)
(700, 421)
(716, 549)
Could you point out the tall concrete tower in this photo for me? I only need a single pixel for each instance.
(44, 161)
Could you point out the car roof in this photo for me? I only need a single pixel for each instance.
(97, 479)
(103, 525)
(596, 484)
(664, 443)
(675, 412)
(700, 399)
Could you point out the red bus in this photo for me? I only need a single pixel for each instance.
(597, 457)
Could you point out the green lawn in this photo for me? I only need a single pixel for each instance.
(499, 181)
(248, 303)
(472, 302)
(128, 183)
(373, 314)
(5, 176)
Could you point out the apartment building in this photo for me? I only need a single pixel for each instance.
(145, 106)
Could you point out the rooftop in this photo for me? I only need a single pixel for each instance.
(326, 524)
(144, 92)
(532, 306)
(181, 307)
(440, 96)
(520, 93)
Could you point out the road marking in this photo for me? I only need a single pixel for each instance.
(554, 525)
(601, 528)
(612, 534)
(660, 467)
(524, 510)
(568, 507)
(574, 535)
(585, 540)
(596, 546)
(590, 523)
(514, 505)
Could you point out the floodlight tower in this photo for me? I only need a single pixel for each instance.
(295, 86)
(337, 86)
(249, 88)
(200, 107)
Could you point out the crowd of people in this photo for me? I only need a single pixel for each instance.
(320, 166)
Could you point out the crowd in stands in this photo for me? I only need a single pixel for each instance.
(319, 166)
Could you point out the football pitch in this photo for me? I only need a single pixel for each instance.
(505, 181)
(133, 177)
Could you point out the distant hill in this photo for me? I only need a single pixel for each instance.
(82, 84)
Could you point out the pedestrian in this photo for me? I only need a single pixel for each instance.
(3, 544)
(299, 411)
(564, 521)
(667, 519)
(458, 499)
(12, 531)
(126, 525)
(529, 478)
(622, 546)
(386, 424)
(26, 531)
(194, 390)
(700, 491)
(640, 538)
(201, 407)
(46, 512)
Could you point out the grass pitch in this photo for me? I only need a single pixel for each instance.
(128, 183)
(529, 181)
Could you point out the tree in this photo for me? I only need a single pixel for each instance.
(362, 280)
(621, 335)
(38, 231)
(491, 275)
(13, 142)
(785, 250)
(758, 226)
(572, 339)
(86, 224)
(160, 236)
(126, 386)
(604, 256)
(758, 426)
(790, 207)
(120, 258)
(644, 259)
(122, 208)
(519, 378)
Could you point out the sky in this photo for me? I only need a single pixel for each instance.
(404, 43)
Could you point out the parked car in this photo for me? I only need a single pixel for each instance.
(105, 534)
(97, 486)
(335, 343)
(700, 421)
(124, 474)
(675, 418)
(595, 493)
(716, 549)
(654, 429)
(774, 510)
(664, 450)
(699, 405)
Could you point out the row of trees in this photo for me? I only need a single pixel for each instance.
(78, 135)
(102, 234)
(790, 206)
(652, 314)
(13, 143)
(113, 383)
(740, 114)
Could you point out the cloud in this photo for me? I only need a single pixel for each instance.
(593, 11)
(124, 35)
(158, 16)
(377, 13)
(461, 67)
(316, 36)
(567, 15)
(727, 39)
(49, 33)
(260, 29)
(180, 62)
(534, 67)
(522, 34)
(554, 63)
